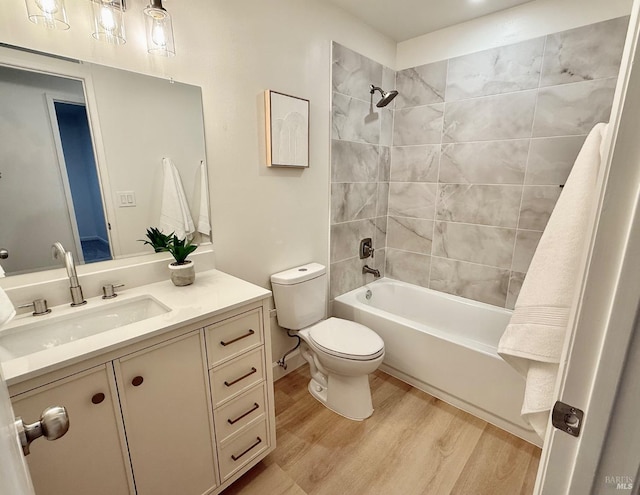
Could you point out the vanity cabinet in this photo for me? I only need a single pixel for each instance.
(186, 414)
(90, 458)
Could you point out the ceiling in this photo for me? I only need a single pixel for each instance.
(405, 19)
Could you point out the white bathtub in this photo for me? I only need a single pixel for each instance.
(444, 345)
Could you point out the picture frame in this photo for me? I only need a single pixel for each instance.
(287, 130)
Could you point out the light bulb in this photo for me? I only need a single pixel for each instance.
(48, 6)
(158, 35)
(107, 19)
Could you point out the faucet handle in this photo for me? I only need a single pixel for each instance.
(109, 290)
(39, 307)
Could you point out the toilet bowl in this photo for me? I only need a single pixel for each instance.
(341, 353)
(340, 367)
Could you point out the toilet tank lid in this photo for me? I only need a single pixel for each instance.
(298, 274)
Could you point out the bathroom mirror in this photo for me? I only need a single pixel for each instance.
(81, 157)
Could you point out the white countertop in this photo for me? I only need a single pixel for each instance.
(212, 293)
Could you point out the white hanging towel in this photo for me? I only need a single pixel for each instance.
(174, 213)
(533, 341)
(204, 223)
(2, 274)
(7, 311)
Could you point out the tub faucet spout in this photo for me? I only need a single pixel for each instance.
(77, 299)
(366, 269)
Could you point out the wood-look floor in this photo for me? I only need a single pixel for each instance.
(413, 444)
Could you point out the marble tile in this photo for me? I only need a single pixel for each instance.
(573, 109)
(526, 244)
(412, 199)
(389, 81)
(491, 246)
(354, 162)
(380, 263)
(383, 199)
(345, 276)
(345, 238)
(480, 283)
(408, 267)
(515, 284)
(353, 74)
(386, 126)
(384, 167)
(537, 204)
(490, 162)
(551, 159)
(500, 70)
(418, 125)
(353, 201)
(490, 118)
(410, 234)
(422, 85)
(415, 163)
(380, 236)
(586, 53)
(479, 204)
(352, 120)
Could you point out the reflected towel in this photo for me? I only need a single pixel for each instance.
(533, 341)
(7, 311)
(174, 214)
(204, 223)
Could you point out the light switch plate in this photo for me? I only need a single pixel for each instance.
(126, 199)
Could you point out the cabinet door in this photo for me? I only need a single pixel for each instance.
(90, 458)
(163, 393)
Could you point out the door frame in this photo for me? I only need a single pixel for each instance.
(51, 99)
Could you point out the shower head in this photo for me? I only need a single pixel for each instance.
(386, 96)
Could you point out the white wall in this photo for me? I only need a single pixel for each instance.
(527, 21)
(264, 220)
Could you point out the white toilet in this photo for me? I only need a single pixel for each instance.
(340, 353)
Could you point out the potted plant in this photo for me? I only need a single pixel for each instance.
(156, 239)
(182, 270)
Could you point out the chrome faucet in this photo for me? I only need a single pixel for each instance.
(77, 299)
(366, 269)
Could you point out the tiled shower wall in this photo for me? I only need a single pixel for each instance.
(360, 164)
(480, 145)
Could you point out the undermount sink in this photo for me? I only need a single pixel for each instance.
(50, 332)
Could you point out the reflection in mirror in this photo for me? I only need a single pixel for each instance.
(81, 158)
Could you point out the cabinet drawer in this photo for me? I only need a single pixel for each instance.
(231, 417)
(235, 377)
(233, 336)
(242, 449)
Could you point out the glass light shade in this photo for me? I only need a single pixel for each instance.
(48, 13)
(108, 23)
(159, 32)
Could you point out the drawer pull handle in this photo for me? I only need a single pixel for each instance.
(233, 421)
(253, 370)
(257, 442)
(248, 334)
(98, 398)
(137, 381)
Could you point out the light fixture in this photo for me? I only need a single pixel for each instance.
(108, 24)
(49, 13)
(159, 30)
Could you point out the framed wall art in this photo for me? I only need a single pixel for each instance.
(287, 130)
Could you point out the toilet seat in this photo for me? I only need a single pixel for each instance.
(346, 339)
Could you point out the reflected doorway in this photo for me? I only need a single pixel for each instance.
(77, 163)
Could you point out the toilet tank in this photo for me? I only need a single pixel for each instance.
(300, 295)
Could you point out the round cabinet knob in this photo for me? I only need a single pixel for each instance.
(97, 398)
(137, 381)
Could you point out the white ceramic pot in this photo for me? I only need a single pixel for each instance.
(184, 274)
